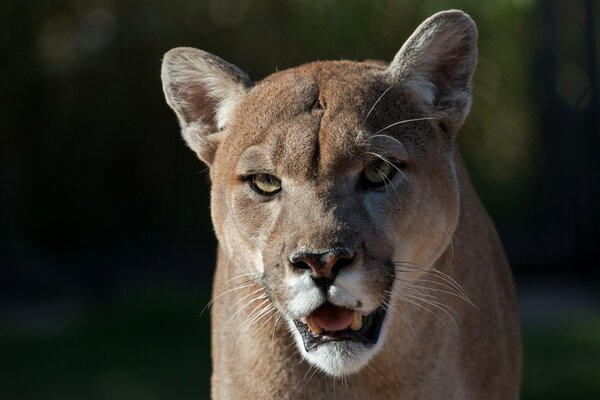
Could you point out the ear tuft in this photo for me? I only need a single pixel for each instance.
(203, 90)
(437, 63)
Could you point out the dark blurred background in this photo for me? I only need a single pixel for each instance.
(107, 251)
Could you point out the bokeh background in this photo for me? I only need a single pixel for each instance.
(106, 247)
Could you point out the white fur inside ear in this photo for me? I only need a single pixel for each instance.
(225, 110)
(193, 77)
(226, 91)
(423, 88)
(192, 73)
(204, 91)
(437, 63)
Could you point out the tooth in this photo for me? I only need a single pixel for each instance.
(313, 326)
(356, 321)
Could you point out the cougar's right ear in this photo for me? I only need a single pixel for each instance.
(203, 90)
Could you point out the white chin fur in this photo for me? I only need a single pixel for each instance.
(337, 358)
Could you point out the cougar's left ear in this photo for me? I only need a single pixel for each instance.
(437, 63)
(203, 90)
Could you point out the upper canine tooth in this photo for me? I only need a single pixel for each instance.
(356, 321)
(313, 326)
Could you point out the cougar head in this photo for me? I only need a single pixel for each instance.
(332, 181)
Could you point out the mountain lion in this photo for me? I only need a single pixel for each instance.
(355, 260)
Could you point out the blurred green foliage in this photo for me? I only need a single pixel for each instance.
(145, 343)
(561, 358)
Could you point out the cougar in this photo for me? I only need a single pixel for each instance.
(355, 260)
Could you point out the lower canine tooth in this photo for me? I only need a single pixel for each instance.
(356, 321)
(313, 326)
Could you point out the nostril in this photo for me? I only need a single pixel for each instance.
(341, 262)
(325, 264)
(300, 265)
(307, 261)
(301, 260)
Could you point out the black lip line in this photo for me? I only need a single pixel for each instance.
(368, 336)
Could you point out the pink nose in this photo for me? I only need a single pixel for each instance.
(323, 265)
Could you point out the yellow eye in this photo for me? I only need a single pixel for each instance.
(265, 184)
(378, 173)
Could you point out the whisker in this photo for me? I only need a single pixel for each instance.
(226, 271)
(242, 286)
(240, 310)
(451, 246)
(373, 373)
(245, 297)
(384, 181)
(387, 137)
(256, 313)
(269, 311)
(403, 122)
(433, 271)
(442, 283)
(310, 368)
(437, 305)
(273, 334)
(408, 300)
(385, 178)
(241, 332)
(417, 289)
(377, 101)
(259, 311)
(432, 301)
(400, 315)
(241, 276)
(451, 291)
(311, 376)
(422, 280)
(391, 164)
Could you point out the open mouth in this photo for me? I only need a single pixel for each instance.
(330, 323)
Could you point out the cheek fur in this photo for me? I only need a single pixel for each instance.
(253, 217)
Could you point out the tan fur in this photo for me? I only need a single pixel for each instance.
(316, 127)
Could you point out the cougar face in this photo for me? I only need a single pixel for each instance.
(333, 180)
(307, 190)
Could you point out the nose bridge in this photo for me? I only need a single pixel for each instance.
(314, 220)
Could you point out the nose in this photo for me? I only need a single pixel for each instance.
(323, 265)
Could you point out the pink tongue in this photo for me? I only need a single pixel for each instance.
(332, 318)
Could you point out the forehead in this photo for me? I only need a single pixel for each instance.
(312, 120)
